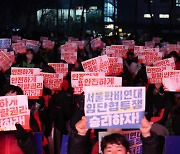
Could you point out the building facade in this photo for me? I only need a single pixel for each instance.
(105, 17)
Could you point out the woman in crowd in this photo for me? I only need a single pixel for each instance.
(29, 60)
(19, 141)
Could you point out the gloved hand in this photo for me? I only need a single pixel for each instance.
(25, 139)
(20, 133)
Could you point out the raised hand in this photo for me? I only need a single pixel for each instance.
(81, 126)
(145, 128)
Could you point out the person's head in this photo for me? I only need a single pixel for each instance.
(78, 66)
(48, 69)
(174, 54)
(158, 85)
(130, 54)
(114, 144)
(30, 54)
(11, 90)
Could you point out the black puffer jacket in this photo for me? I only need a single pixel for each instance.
(81, 144)
(61, 109)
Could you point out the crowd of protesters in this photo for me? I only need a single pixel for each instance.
(59, 113)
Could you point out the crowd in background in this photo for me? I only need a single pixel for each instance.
(58, 112)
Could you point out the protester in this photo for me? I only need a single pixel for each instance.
(19, 141)
(29, 60)
(155, 100)
(57, 112)
(176, 57)
(114, 143)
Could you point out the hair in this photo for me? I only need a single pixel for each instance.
(114, 138)
(31, 50)
(174, 54)
(13, 89)
(48, 69)
(34, 60)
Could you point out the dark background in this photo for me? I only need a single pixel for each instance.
(77, 17)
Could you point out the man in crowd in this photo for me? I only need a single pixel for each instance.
(114, 143)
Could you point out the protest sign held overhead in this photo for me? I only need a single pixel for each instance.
(5, 61)
(71, 39)
(98, 64)
(116, 51)
(14, 109)
(129, 44)
(138, 49)
(11, 55)
(69, 57)
(77, 80)
(69, 52)
(60, 68)
(5, 43)
(48, 44)
(15, 38)
(156, 40)
(116, 65)
(114, 107)
(166, 63)
(100, 81)
(154, 74)
(178, 47)
(33, 47)
(149, 44)
(32, 86)
(23, 41)
(25, 71)
(42, 38)
(32, 44)
(149, 56)
(80, 44)
(53, 80)
(96, 44)
(172, 47)
(19, 48)
(69, 47)
(171, 80)
(3, 50)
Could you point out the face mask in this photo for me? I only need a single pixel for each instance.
(29, 56)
